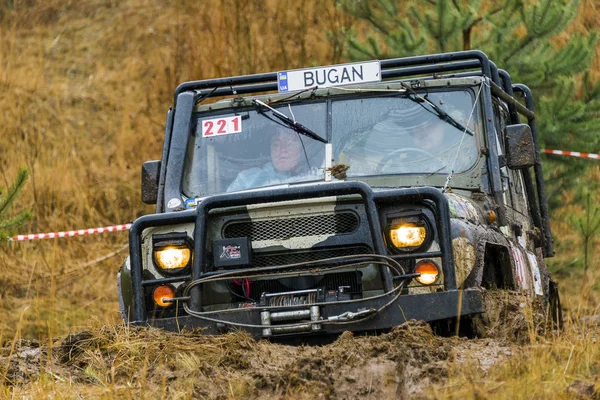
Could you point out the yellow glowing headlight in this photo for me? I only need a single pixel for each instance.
(408, 235)
(172, 258)
(429, 272)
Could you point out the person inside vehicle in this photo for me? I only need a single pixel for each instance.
(287, 163)
(442, 142)
(412, 141)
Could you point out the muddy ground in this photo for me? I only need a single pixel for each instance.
(403, 362)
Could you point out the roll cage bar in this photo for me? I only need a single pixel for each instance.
(458, 64)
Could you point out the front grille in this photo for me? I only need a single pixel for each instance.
(277, 229)
(293, 257)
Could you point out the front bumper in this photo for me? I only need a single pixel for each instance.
(427, 307)
(373, 201)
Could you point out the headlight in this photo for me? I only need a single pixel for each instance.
(172, 257)
(429, 272)
(408, 235)
(172, 253)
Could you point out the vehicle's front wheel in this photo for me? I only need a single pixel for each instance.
(514, 315)
(554, 306)
(124, 290)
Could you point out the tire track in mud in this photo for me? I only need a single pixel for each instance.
(401, 363)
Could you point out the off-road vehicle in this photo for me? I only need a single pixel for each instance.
(347, 197)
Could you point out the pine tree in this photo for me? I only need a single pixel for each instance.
(517, 35)
(588, 223)
(8, 223)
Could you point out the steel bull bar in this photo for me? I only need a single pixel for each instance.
(427, 307)
(432, 306)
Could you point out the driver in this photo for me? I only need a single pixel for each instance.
(285, 166)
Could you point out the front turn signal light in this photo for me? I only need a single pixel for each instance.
(429, 272)
(408, 236)
(162, 293)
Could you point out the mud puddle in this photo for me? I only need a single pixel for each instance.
(400, 363)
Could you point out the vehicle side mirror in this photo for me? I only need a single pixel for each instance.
(520, 149)
(150, 173)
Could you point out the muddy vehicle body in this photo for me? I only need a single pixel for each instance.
(416, 187)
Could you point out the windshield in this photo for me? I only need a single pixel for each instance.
(371, 135)
(251, 149)
(400, 134)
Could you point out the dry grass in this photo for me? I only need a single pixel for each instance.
(125, 362)
(546, 369)
(85, 89)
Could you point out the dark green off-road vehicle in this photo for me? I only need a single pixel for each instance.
(348, 197)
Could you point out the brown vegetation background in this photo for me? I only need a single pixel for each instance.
(85, 87)
(84, 90)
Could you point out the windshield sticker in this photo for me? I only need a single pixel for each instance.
(537, 278)
(191, 203)
(174, 202)
(521, 271)
(221, 126)
(231, 252)
(337, 75)
(461, 208)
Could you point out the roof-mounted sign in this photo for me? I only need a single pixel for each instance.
(335, 75)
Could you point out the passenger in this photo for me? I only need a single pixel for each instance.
(433, 137)
(287, 163)
(442, 142)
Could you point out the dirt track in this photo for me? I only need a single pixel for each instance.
(403, 362)
(400, 363)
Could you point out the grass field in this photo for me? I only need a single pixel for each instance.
(85, 90)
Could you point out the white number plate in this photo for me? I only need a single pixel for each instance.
(335, 75)
(221, 126)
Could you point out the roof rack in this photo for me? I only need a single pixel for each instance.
(459, 64)
(391, 68)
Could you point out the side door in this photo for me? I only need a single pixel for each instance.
(512, 182)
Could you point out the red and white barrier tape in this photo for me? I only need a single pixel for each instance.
(572, 153)
(124, 227)
(79, 232)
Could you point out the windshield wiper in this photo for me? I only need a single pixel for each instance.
(298, 127)
(443, 115)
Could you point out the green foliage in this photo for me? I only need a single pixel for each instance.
(520, 37)
(588, 224)
(7, 222)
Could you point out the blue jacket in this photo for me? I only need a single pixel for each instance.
(263, 176)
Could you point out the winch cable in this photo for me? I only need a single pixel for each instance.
(294, 273)
(389, 262)
(304, 323)
(204, 316)
(232, 274)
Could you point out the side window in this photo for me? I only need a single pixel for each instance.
(500, 122)
(512, 179)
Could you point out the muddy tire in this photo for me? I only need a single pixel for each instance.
(124, 291)
(515, 316)
(508, 315)
(554, 306)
